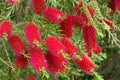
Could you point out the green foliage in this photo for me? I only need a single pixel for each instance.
(23, 14)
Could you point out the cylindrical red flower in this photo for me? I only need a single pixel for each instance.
(21, 62)
(85, 64)
(89, 36)
(117, 4)
(97, 49)
(17, 45)
(32, 34)
(78, 8)
(38, 6)
(54, 45)
(91, 12)
(37, 60)
(56, 64)
(80, 12)
(5, 28)
(53, 15)
(109, 23)
(77, 21)
(70, 48)
(31, 78)
(66, 27)
(111, 4)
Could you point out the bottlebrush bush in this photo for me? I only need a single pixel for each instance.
(58, 39)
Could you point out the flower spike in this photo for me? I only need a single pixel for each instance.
(32, 34)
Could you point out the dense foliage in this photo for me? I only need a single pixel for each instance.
(59, 39)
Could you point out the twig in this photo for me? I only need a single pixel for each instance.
(116, 41)
(27, 7)
(3, 72)
(20, 24)
(109, 46)
(5, 62)
(91, 20)
(10, 12)
(43, 26)
(73, 78)
(96, 8)
(33, 19)
(7, 53)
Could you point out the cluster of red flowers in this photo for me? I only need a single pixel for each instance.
(54, 60)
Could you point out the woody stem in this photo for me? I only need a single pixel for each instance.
(10, 12)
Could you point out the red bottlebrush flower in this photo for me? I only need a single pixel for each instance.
(117, 4)
(78, 8)
(70, 48)
(80, 12)
(89, 35)
(66, 27)
(114, 5)
(37, 59)
(31, 78)
(38, 6)
(56, 64)
(91, 12)
(32, 34)
(5, 28)
(85, 64)
(17, 45)
(21, 62)
(77, 21)
(13, 2)
(111, 4)
(54, 45)
(97, 49)
(109, 23)
(53, 15)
